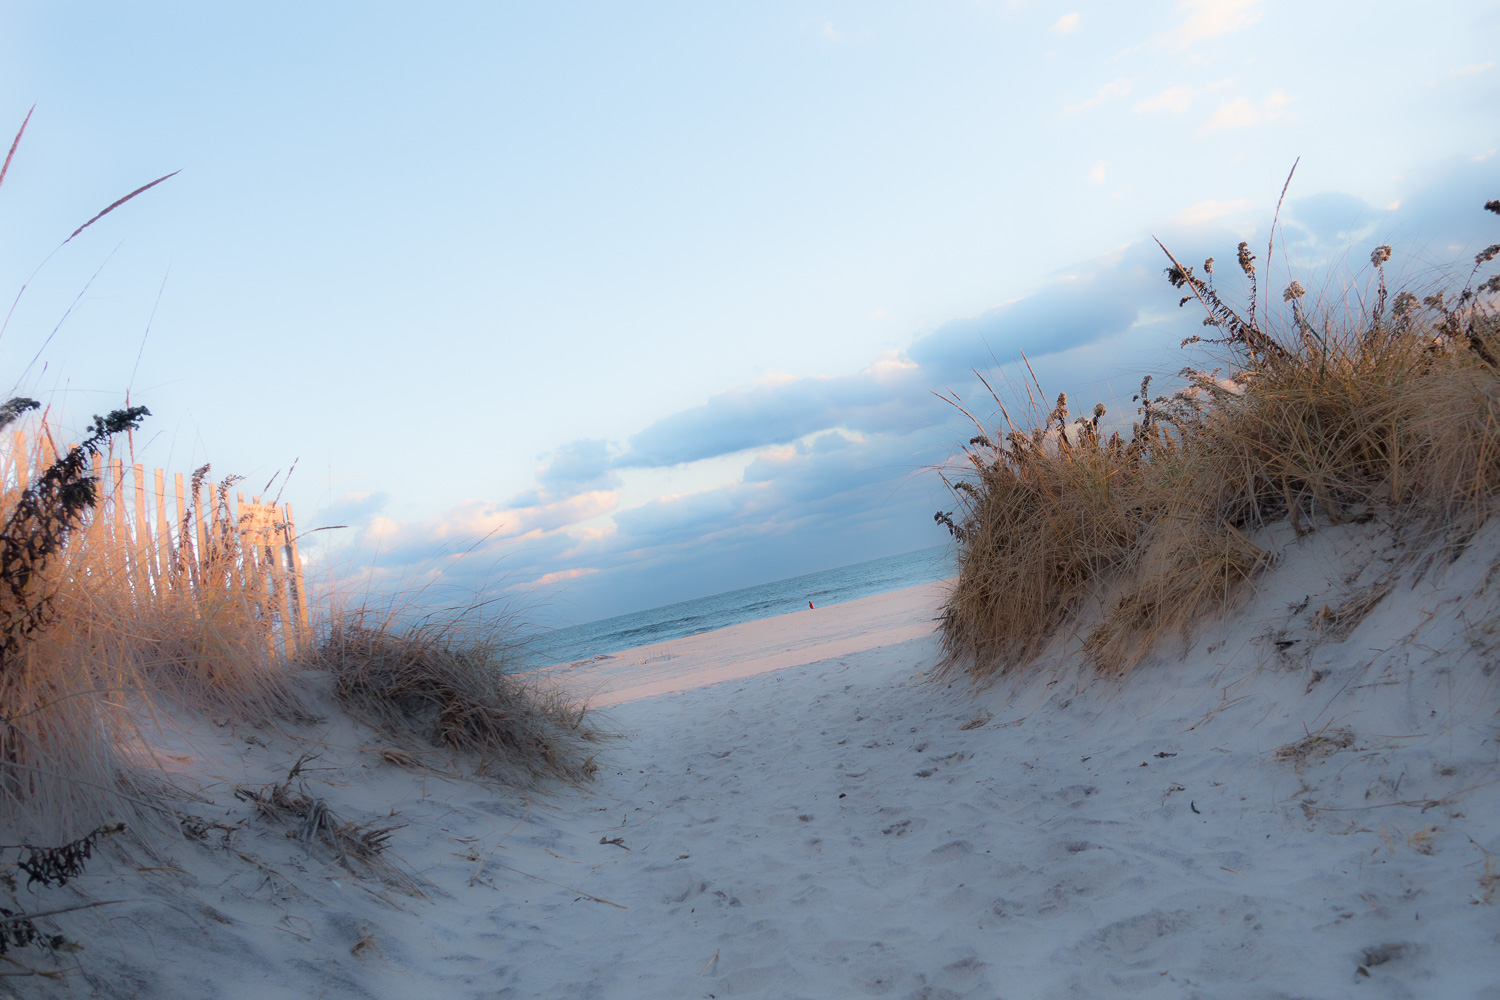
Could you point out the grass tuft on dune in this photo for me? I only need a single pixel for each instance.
(1394, 411)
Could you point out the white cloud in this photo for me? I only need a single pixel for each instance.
(1473, 70)
(831, 33)
(1111, 90)
(1209, 19)
(891, 364)
(1096, 174)
(560, 576)
(1244, 113)
(1208, 211)
(1173, 99)
(1065, 24)
(1481, 157)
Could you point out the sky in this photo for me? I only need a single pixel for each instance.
(594, 307)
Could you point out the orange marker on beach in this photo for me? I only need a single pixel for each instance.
(809, 604)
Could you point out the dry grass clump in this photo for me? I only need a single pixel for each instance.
(1315, 745)
(309, 819)
(446, 682)
(1396, 410)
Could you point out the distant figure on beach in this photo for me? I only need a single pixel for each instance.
(809, 604)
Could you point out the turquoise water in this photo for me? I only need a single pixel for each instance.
(704, 614)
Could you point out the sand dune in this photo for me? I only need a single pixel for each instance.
(1302, 804)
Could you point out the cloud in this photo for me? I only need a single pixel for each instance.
(1209, 211)
(1065, 24)
(1111, 90)
(750, 418)
(1061, 316)
(1244, 113)
(1173, 99)
(1097, 172)
(576, 464)
(1209, 19)
(479, 522)
(1473, 70)
(560, 576)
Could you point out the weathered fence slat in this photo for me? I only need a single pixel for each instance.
(209, 541)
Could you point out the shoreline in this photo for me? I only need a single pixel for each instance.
(752, 648)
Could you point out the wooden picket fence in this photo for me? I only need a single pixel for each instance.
(163, 540)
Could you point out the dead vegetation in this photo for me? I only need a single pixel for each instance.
(49, 867)
(1314, 746)
(309, 819)
(1337, 624)
(446, 683)
(1133, 539)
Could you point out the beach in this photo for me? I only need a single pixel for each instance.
(807, 806)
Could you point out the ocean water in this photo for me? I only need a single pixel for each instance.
(704, 614)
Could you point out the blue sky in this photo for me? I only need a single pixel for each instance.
(601, 306)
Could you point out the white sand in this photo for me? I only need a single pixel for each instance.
(822, 820)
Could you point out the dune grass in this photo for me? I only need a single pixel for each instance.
(1394, 410)
(446, 681)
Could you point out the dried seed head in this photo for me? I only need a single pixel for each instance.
(1487, 255)
(1194, 339)
(1405, 303)
(1293, 291)
(1098, 410)
(1490, 284)
(1208, 265)
(1434, 301)
(1247, 259)
(1210, 321)
(1380, 254)
(1493, 206)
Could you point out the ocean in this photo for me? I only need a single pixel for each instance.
(704, 614)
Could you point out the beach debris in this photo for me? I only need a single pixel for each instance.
(1320, 744)
(198, 828)
(615, 841)
(366, 945)
(310, 819)
(1379, 955)
(977, 722)
(1337, 624)
(56, 866)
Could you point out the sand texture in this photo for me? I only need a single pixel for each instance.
(1302, 803)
